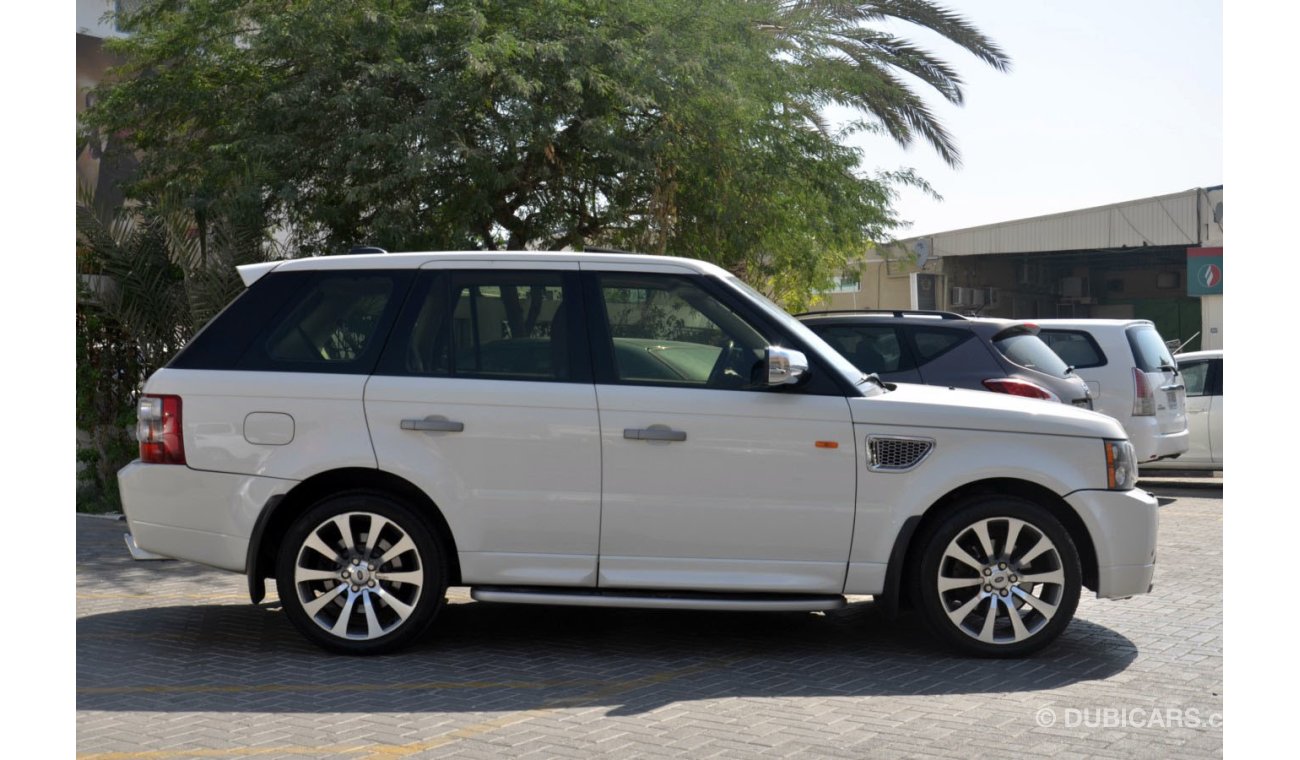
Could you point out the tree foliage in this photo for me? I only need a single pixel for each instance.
(149, 276)
(671, 126)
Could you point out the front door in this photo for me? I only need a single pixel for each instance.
(711, 479)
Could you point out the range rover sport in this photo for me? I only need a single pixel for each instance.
(616, 430)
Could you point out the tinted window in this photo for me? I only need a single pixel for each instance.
(934, 342)
(1195, 375)
(222, 343)
(1149, 349)
(336, 322)
(871, 348)
(666, 330)
(1077, 349)
(497, 325)
(1031, 352)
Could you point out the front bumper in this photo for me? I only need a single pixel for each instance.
(196, 515)
(1123, 526)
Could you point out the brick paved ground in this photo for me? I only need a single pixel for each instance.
(172, 661)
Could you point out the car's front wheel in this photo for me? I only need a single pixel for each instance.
(361, 573)
(999, 577)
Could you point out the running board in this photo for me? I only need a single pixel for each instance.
(658, 600)
(136, 552)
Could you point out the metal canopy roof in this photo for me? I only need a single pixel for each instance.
(1185, 218)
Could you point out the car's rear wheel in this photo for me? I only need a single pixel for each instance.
(999, 577)
(361, 573)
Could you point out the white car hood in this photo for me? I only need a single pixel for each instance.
(913, 405)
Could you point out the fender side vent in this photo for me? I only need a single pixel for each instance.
(896, 453)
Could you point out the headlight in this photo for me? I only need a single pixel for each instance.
(1121, 465)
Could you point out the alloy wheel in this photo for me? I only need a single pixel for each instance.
(1001, 580)
(358, 575)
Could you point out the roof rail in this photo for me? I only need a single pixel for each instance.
(597, 249)
(894, 312)
(366, 249)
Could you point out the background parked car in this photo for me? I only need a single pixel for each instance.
(1203, 375)
(1132, 376)
(942, 348)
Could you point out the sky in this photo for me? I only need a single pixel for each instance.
(1106, 101)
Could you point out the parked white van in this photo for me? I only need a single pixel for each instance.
(1132, 377)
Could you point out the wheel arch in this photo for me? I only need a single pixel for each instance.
(907, 543)
(280, 511)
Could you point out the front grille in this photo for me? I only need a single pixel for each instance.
(896, 453)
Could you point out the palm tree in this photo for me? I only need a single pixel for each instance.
(147, 280)
(837, 58)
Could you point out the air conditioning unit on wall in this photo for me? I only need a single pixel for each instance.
(959, 296)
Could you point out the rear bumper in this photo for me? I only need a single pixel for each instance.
(204, 517)
(1123, 525)
(1150, 444)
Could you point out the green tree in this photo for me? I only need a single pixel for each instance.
(671, 126)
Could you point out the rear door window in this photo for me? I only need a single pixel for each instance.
(871, 348)
(500, 325)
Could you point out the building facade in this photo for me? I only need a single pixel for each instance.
(1158, 258)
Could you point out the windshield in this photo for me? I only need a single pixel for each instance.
(832, 357)
(1030, 352)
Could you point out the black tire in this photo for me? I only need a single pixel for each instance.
(383, 614)
(960, 614)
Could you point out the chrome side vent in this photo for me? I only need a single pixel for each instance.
(894, 453)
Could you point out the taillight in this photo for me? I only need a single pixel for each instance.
(1144, 395)
(1019, 388)
(158, 429)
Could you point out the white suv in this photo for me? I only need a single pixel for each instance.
(1132, 378)
(608, 430)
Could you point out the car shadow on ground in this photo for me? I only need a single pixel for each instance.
(486, 657)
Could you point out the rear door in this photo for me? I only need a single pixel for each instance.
(484, 400)
(1151, 356)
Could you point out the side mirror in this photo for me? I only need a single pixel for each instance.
(785, 366)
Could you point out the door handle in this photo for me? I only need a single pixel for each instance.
(654, 433)
(434, 423)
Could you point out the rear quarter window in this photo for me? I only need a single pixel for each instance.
(1031, 352)
(1076, 348)
(227, 336)
(933, 342)
(336, 322)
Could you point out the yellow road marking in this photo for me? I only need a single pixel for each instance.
(311, 687)
(244, 597)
